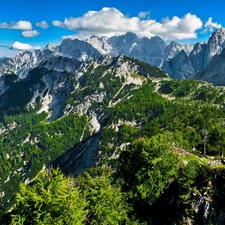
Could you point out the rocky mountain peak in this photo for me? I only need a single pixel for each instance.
(100, 43)
(157, 39)
(50, 46)
(125, 38)
(130, 37)
(122, 44)
(78, 49)
(215, 45)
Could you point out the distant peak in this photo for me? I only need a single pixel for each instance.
(94, 36)
(50, 46)
(131, 34)
(157, 38)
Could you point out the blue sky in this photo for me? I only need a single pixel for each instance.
(28, 25)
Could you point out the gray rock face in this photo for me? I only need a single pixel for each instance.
(51, 81)
(179, 67)
(122, 44)
(150, 50)
(215, 71)
(7, 64)
(100, 43)
(50, 50)
(184, 65)
(197, 56)
(174, 48)
(80, 50)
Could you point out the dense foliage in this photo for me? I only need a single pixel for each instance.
(51, 199)
(55, 199)
(148, 166)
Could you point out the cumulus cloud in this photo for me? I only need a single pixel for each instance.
(42, 24)
(30, 33)
(20, 25)
(143, 14)
(210, 25)
(110, 21)
(58, 23)
(24, 47)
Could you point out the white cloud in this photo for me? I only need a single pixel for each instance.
(42, 24)
(210, 25)
(110, 21)
(58, 23)
(30, 33)
(20, 25)
(143, 14)
(24, 47)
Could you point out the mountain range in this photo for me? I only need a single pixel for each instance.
(180, 61)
